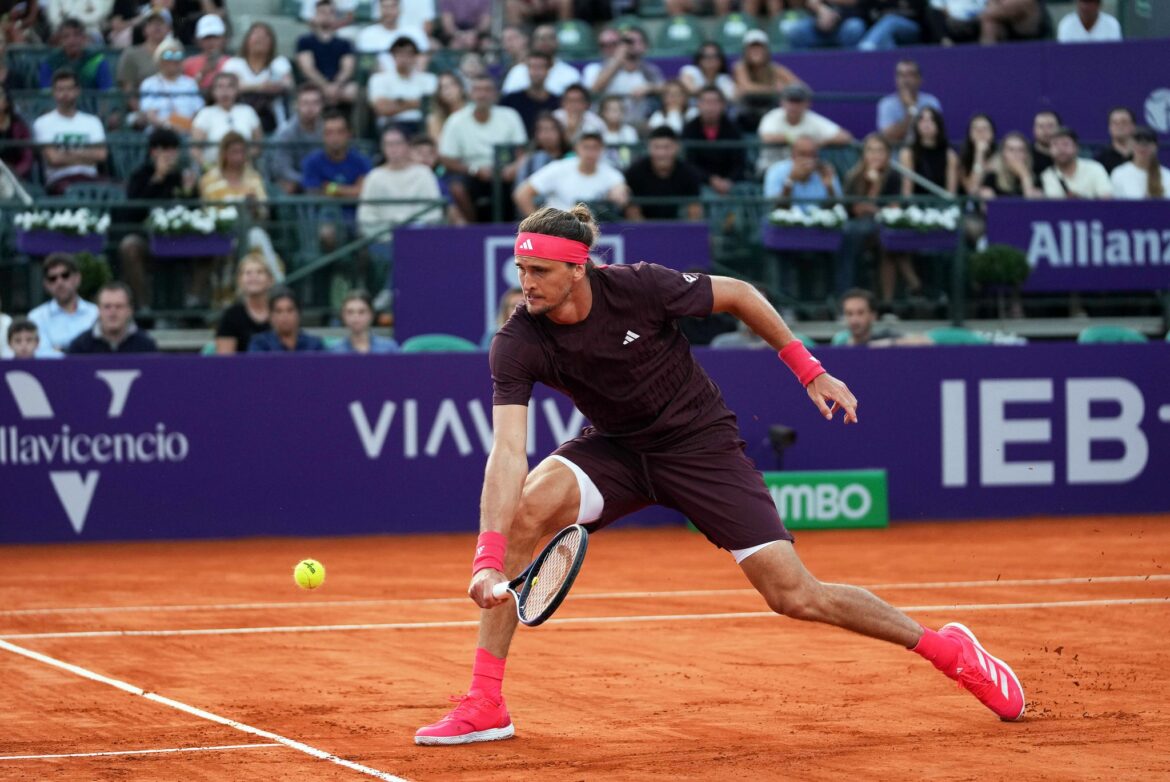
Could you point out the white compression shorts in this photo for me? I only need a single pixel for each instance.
(592, 503)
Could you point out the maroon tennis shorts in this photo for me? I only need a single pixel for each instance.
(714, 484)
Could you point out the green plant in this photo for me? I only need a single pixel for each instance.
(999, 264)
(95, 272)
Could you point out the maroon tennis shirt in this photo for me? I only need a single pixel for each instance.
(626, 366)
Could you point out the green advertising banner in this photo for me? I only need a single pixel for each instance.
(830, 499)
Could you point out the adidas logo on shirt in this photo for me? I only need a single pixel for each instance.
(630, 337)
(690, 277)
(526, 244)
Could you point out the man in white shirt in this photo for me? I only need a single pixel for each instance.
(399, 178)
(1088, 24)
(396, 94)
(169, 98)
(214, 122)
(72, 142)
(376, 38)
(65, 315)
(560, 76)
(1070, 176)
(780, 127)
(467, 146)
(564, 183)
(627, 74)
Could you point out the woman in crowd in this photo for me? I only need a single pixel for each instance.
(676, 110)
(618, 136)
(873, 178)
(976, 153)
(286, 335)
(574, 114)
(548, 144)
(14, 128)
(357, 313)
(248, 316)
(450, 96)
(758, 80)
(929, 155)
(266, 80)
(708, 70)
(1011, 174)
(1144, 176)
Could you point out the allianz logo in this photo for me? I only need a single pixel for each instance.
(822, 501)
(1087, 243)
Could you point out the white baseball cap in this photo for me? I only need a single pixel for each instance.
(209, 25)
(755, 36)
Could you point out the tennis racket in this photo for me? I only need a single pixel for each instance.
(539, 590)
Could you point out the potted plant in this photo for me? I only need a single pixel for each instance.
(1000, 269)
(42, 232)
(916, 229)
(805, 228)
(192, 232)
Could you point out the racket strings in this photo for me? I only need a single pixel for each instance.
(545, 585)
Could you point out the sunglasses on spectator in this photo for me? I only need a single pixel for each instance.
(59, 276)
(171, 54)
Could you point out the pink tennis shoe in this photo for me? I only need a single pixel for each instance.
(476, 718)
(988, 678)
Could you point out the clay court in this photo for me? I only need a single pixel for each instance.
(662, 664)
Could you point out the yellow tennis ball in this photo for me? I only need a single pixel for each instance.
(309, 574)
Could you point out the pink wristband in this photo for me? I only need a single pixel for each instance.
(802, 363)
(489, 552)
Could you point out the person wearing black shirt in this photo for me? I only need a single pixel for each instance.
(1044, 124)
(722, 164)
(535, 100)
(1120, 149)
(661, 174)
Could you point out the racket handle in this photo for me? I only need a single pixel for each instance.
(500, 589)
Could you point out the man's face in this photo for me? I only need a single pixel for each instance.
(24, 344)
(537, 71)
(335, 135)
(62, 284)
(545, 40)
(1043, 126)
(65, 94)
(636, 44)
(164, 158)
(323, 17)
(1120, 126)
(424, 155)
(859, 318)
(589, 151)
(710, 107)
(170, 67)
(573, 102)
(211, 44)
(794, 110)
(309, 106)
(804, 156)
(483, 93)
(285, 318)
(225, 91)
(389, 9)
(72, 42)
(907, 77)
(1064, 150)
(1089, 10)
(546, 284)
(405, 58)
(114, 312)
(154, 30)
(663, 152)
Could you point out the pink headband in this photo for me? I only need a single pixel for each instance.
(551, 248)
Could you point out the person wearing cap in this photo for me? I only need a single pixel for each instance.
(210, 34)
(661, 174)
(782, 126)
(896, 112)
(169, 98)
(832, 23)
(396, 94)
(1144, 176)
(90, 66)
(377, 37)
(138, 62)
(326, 59)
(1070, 176)
(584, 178)
(758, 79)
(1088, 24)
(559, 73)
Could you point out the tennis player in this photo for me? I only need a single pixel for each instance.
(607, 337)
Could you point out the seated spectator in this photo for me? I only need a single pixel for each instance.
(285, 336)
(424, 152)
(231, 179)
(1071, 177)
(509, 302)
(326, 59)
(449, 97)
(89, 66)
(65, 315)
(896, 112)
(758, 80)
(210, 35)
(1120, 149)
(1044, 126)
(676, 110)
(295, 140)
(17, 154)
(874, 180)
(574, 114)
(342, 14)
(1014, 20)
(398, 178)
(124, 25)
(955, 21)
(337, 170)
(465, 24)
(1144, 176)
(169, 98)
(225, 115)
(708, 70)
(860, 313)
(536, 98)
(187, 15)
(725, 163)
(1088, 24)
(115, 330)
(357, 313)
(804, 178)
(792, 120)
(248, 315)
(558, 73)
(833, 23)
(265, 77)
(159, 179)
(467, 146)
(22, 336)
(892, 23)
(1011, 174)
(976, 153)
(929, 155)
(513, 45)
(627, 75)
(620, 138)
(548, 143)
(660, 174)
(377, 37)
(565, 183)
(72, 143)
(396, 94)
(138, 62)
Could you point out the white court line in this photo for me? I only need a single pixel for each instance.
(265, 734)
(1006, 582)
(137, 752)
(575, 620)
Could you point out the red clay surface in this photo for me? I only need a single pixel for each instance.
(733, 698)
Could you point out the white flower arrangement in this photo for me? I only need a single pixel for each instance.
(915, 218)
(77, 222)
(810, 217)
(184, 221)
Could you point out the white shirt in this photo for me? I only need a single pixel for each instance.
(412, 13)
(723, 81)
(563, 185)
(473, 142)
(1071, 30)
(1129, 181)
(391, 84)
(80, 130)
(560, 77)
(1090, 180)
(960, 10)
(217, 123)
(775, 123)
(376, 39)
(414, 181)
(277, 70)
(5, 322)
(179, 97)
(58, 328)
(590, 122)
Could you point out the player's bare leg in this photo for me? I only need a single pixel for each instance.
(778, 574)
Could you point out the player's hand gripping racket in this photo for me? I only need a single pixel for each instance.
(543, 584)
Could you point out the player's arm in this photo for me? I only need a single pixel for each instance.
(507, 467)
(742, 300)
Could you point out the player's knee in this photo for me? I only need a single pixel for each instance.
(799, 602)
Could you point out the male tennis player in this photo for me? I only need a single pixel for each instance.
(661, 434)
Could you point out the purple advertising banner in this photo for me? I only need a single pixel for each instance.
(163, 447)
(1087, 245)
(449, 280)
